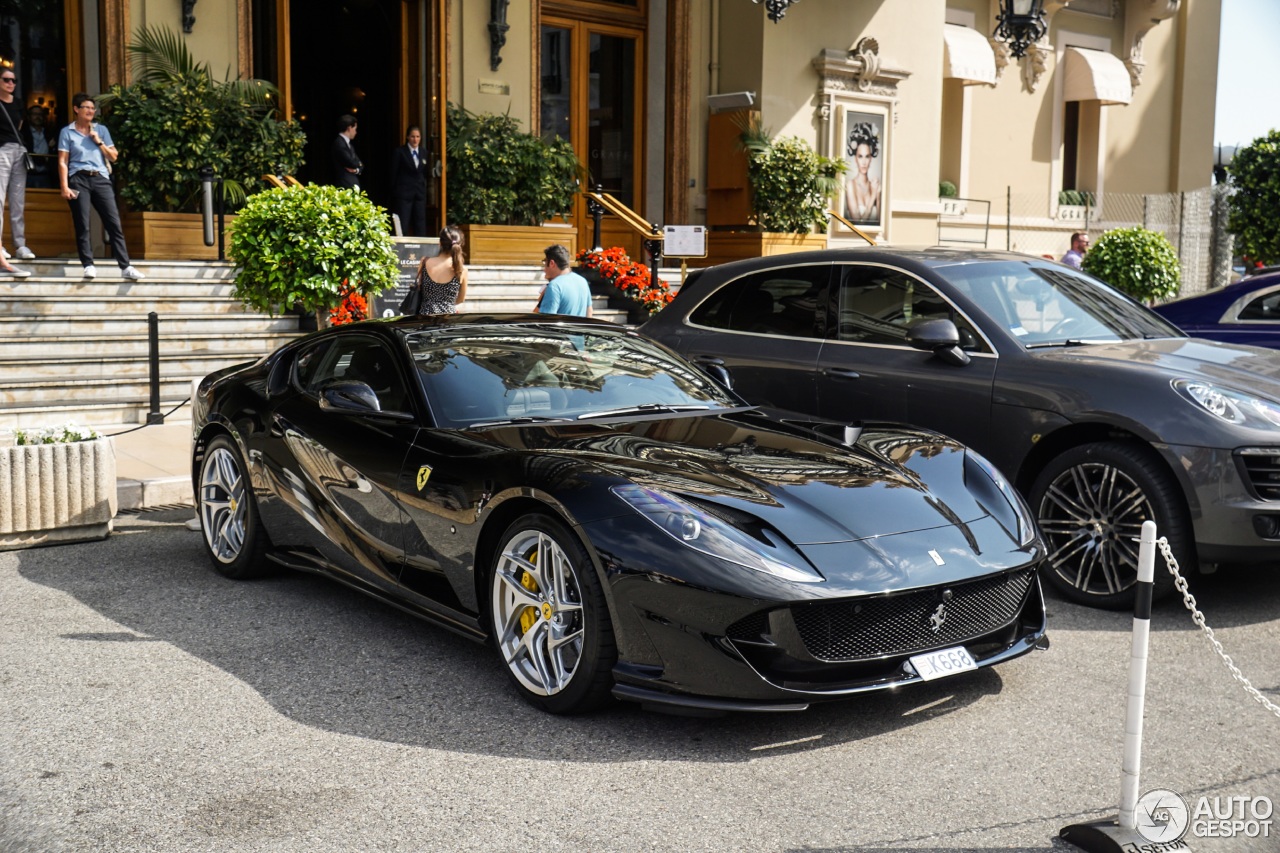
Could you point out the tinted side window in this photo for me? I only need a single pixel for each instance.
(787, 302)
(1263, 308)
(358, 359)
(304, 366)
(877, 305)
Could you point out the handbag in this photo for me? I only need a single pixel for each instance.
(28, 159)
(411, 305)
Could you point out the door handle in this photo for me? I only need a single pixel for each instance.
(842, 373)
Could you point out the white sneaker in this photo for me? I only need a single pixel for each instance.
(25, 254)
(91, 271)
(4, 253)
(131, 273)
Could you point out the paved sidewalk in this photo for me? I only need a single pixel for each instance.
(153, 464)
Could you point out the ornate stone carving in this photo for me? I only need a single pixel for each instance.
(1034, 64)
(1002, 54)
(1140, 17)
(860, 70)
(866, 55)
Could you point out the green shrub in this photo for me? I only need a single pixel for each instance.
(1142, 263)
(175, 119)
(946, 189)
(499, 175)
(1077, 198)
(299, 245)
(1255, 178)
(791, 185)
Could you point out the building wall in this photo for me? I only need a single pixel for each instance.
(469, 60)
(212, 39)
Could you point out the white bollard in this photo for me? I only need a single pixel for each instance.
(1132, 765)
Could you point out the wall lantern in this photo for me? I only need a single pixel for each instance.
(498, 27)
(188, 19)
(776, 8)
(1021, 24)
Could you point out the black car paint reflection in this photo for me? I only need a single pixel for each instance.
(503, 419)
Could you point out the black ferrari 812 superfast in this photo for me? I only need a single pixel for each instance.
(611, 518)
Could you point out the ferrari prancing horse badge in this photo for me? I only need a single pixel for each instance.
(424, 474)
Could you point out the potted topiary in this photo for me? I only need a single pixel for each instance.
(307, 247)
(174, 120)
(791, 189)
(1142, 263)
(505, 186)
(57, 484)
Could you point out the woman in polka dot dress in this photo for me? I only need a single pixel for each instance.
(442, 277)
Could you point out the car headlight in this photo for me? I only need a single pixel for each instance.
(1227, 404)
(695, 527)
(994, 491)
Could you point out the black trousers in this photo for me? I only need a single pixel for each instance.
(96, 189)
(412, 213)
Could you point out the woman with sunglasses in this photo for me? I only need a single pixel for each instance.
(13, 171)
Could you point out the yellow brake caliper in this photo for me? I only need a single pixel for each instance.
(530, 615)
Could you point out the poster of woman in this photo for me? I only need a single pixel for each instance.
(863, 152)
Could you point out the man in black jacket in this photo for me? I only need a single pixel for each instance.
(409, 184)
(346, 165)
(41, 140)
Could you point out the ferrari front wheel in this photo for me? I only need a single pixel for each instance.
(233, 532)
(549, 619)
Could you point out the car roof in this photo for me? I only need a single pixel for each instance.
(931, 256)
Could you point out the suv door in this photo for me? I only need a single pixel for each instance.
(766, 328)
(868, 371)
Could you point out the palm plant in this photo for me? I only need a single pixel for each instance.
(176, 118)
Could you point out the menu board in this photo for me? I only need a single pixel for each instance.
(409, 254)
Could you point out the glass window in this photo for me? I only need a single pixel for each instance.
(1264, 307)
(357, 359)
(555, 90)
(787, 302)
(611, 122)
(878, 305)
(473, 376)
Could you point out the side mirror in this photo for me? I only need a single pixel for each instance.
(355, 398)
(714, 367)
(941, 337)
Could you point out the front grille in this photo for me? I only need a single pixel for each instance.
(1262, 468)
(861, 628)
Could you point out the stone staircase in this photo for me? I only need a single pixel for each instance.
(76, 350)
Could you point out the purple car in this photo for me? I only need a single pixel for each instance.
(1247, 312)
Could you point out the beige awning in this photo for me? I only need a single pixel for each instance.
(1094, 75)
(967, 55)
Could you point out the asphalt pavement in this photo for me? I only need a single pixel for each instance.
(148, 704)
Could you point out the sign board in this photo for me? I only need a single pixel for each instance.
(409, 254)
(684, 241)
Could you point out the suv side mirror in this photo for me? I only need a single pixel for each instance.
(941, 337)
(714, 367)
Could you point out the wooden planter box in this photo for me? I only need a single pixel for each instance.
(726, 246)
(515, 244)
(170, 236)
(54, 493)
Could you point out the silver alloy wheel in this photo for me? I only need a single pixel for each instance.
(537, 612)
(1091, 516)
(223, 507)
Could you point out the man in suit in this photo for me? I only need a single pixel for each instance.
(41, 140)
(409, 184)
(346, 165)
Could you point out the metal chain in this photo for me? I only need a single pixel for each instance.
(1196, 616)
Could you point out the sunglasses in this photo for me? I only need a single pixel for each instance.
(8, 79)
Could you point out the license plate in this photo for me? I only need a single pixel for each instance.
(942, 663)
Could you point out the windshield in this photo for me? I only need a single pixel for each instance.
(477, 376)
(1052, 306)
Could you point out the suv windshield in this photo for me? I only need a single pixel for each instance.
(474, 376)
(1052, 306)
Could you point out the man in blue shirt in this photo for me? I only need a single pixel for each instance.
(566, 291)
(84, 149)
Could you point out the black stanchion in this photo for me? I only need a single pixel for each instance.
(153, 359)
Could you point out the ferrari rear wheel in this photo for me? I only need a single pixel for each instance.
(233, 533)
(1091, 502)
(550, 621)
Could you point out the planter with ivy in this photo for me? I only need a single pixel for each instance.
(507, 188)
(56, 485)
(175, 119)
(1139, 262)
(308, 248)
(791, 190)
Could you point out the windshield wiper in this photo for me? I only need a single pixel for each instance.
(523, 419)
(1069, 342)
(642, 409)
